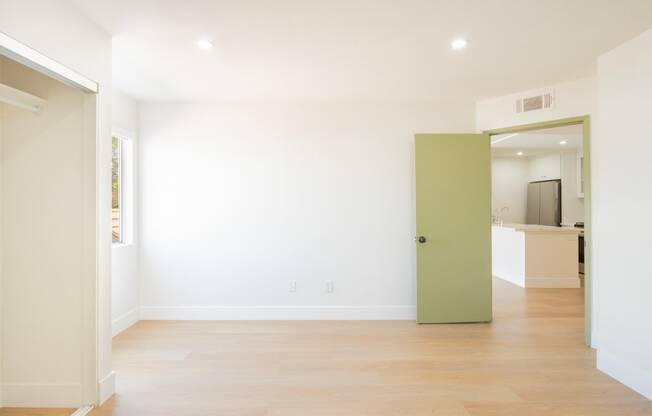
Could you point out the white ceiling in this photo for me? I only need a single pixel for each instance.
(537, 142)
(357, 49)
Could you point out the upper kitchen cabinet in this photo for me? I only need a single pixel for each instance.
(545, 167)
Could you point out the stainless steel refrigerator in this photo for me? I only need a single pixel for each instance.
(544, 203)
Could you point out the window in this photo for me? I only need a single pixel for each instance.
(117, 217)
(122, 187)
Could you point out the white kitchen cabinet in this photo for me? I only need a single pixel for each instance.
(545, 168)
(580, 174)
(521, 254)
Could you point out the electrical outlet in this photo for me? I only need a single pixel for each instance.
(293, 286)
(330, 286)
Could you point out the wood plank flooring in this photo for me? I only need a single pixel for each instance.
(11, 411)
(530, 361)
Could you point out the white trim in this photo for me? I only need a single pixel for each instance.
(91, 289)
(552, 282)
(19, 52)
(83, 411)
(124, 321)
(41, 394)
(633, 376)
(208, 313)
(127, 188)
(118, 246)
(106, 387)
(121, 220)
(510, 279)
(543, 282)
(124, 134)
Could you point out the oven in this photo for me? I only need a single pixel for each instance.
(580, 241)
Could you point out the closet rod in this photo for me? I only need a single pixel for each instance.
(20, 99)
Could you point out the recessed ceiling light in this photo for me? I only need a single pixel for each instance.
(204, 44)
(459, 44)
(519, 153)
(563, 142)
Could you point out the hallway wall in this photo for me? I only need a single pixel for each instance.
(622, 149)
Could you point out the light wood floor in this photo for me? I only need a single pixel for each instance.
(530, 361)
(8, 411)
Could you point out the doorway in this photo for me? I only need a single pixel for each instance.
(552, 190)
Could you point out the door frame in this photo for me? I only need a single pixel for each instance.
(13, 49)
(585, 122)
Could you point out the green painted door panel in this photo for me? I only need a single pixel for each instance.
(453, 203)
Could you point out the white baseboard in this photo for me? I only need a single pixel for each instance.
(82, 411)
(124, 321)
(552, 282)
(280, 313)
(41, 395)
(515, 280)
(107, 387)
(630, 375)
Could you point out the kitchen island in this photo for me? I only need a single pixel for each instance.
(536, 255)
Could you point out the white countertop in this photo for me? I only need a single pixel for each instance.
(539, 228)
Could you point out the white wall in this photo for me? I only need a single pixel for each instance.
(622, 147)
(237, 200)
(574, 98)
(76, 42)
(509, 179)
(125, 278)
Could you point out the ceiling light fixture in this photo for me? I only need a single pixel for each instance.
(519, 153)
(459, 44)
(204, 44)
(563, 142)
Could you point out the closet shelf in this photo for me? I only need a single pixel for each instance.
(20, 99)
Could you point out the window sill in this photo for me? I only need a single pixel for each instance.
(121, 245)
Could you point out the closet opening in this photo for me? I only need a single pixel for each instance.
(48, 239)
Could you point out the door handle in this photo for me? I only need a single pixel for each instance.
(421, 239)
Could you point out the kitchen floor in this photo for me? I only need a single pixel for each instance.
(530, 361)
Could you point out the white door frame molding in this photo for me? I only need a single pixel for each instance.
(32, 58)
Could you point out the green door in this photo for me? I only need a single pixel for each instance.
(453, 202)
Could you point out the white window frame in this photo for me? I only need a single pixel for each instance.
(120, 179)
(127, 183)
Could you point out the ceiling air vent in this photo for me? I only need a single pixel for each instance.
(535, 102)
